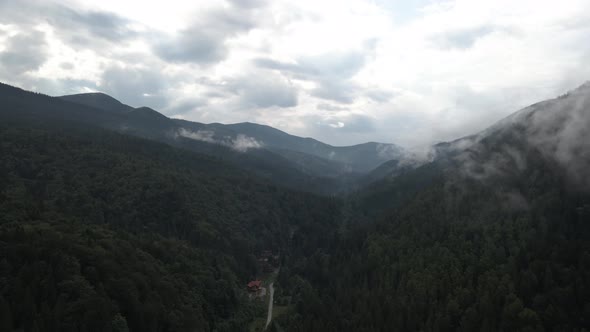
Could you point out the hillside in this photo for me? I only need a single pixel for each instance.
(99, 228)
(497, 237)
(20, 105)
(360, 158)
(491, 234)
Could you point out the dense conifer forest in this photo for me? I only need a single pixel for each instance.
(104, 231)
(101, 232)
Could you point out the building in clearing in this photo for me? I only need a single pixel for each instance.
(254, 285)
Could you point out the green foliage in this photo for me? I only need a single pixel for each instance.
(458, 255)
(105, 232)
(101, 231)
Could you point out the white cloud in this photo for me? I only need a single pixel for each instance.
(240, 143)
(409, 72)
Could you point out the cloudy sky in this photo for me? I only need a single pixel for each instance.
(410, 72)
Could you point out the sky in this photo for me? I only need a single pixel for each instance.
(409, 72)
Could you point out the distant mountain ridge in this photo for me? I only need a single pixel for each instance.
(298, 163)
(360, 158)
(557, 129)
(99, 100)
(490, 233)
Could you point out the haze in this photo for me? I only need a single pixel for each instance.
(344, 72)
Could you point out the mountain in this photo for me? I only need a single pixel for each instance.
(241, 151)
(100, 228)
(99, 101)
(492, 234)
(360, 158)
(105, 231)
(555, 129)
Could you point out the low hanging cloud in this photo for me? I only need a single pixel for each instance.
(446, 70)
(557, 128)
(240, 143)
(243, 143)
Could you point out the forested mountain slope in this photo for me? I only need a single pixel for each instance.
(99, 231)
(359, 158)
(147, 123)
(498, 239)
(103, 231)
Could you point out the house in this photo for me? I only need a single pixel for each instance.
(254, 285)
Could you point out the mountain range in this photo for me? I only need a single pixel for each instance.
(116, 218)
(302, 163)
(333, 160)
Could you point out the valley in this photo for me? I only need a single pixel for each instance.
(114, 218)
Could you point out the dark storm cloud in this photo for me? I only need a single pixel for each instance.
(23, 53)
(136, 86)
(204, 42)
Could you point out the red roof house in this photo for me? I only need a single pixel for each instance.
(254, 285)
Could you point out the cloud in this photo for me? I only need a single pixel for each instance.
(74, 25)
(243, 143)
(135, 85)
(199, 135)
(205, 41)
(463, 38)
(240, 143)
(83, 27)
(294, 69)
(555, 129)
(559, 129)
(341, 92)
(248, 3)
(443, 70)
(264, 90)
(330, 107)
(193, 45)
(186, 106)
(24, 52)
(379, 95)
(388, 151)
(331, 73)
(358, 123)
(342, 127)
(337, 65)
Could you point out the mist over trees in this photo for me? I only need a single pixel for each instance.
(104, 231)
